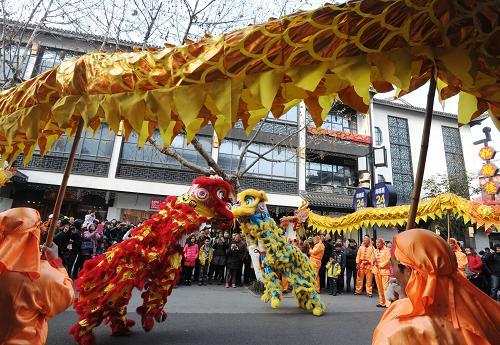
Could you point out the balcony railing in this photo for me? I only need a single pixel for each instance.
(57, 164)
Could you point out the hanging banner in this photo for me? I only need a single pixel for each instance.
(384, 195)
(361, 198)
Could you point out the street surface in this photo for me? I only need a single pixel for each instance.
(214, 315)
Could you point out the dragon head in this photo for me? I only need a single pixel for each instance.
(251, 207)
(211, 198)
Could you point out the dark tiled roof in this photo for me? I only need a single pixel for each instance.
(328, 199)
(74, 34)
(396, 104)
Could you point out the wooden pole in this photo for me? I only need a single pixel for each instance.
(417, 186)
(448, 217)
(64, 182)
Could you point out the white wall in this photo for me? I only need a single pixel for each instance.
(436, 161)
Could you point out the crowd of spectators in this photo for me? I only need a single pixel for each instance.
(219, 257)
(81, 239)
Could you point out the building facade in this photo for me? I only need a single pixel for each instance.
(119, 181)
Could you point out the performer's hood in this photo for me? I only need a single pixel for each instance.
(19, 241)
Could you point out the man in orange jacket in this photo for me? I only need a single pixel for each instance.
(381, 270)
(440, 306)
(364, 264)
(31, 290)
(315, 256)
(461, 257)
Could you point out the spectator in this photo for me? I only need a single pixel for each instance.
(89, 218)
(327, 242)
(220, 247)
(474, 268)
(205, 257)
(350, 255)
(494, 268)
(200, 242)
(242, 247)
(248, 273)
(339, 253)
(190, 256)
(333, 271)
(233, 264)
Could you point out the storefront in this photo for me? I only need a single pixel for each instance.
(77, 202)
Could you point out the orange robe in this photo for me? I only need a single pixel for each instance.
(316, 254)
(364, 259)
(31, 290)
(442, 307)
(382, 272)
(27, 304)
(462, 262)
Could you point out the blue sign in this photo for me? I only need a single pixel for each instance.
(384, 195)
(361, 198)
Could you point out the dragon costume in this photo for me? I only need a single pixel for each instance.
(150, 260)
(278, 257)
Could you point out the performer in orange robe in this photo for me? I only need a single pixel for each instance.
(461, 257)
(442, 307)
(364, 263)
(31, 290)
(315, 256)
(381, 270)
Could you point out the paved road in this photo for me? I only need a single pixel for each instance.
(214, 315)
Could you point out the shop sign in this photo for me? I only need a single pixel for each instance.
(384, 195)
(489, 170)
(487, 153)
(361, 198)
(154, 204)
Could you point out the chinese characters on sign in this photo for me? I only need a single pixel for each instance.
(384, 195)
(489, 178)
(360, 199)
(154, 204)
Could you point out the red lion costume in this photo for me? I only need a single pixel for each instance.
(149, 260)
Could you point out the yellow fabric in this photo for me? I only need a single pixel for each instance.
(361, 275)
(333, 270)
(480, 215)
(335, 51)
(202, 256)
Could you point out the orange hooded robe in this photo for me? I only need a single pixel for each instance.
(31, 290)
(442, 307)
(461, 257)
(315, 256)
(381, 270)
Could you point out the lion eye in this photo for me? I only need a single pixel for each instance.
(249, 200)
(221, 194)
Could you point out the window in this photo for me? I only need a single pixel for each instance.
(97, 146)
(13, 61)
(453, 151)
(377, 136)
(283, 164)
(150, 156)
(291, 116)
(329, 178)
(402, 170)
(51, 57)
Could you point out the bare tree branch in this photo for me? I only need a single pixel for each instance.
(245, 148)
(109, 23)
(174, 154)
(208, 158)
(150, 25)
(288, 137)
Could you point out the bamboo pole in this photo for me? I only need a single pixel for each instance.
(64, 183)
(417, 186)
